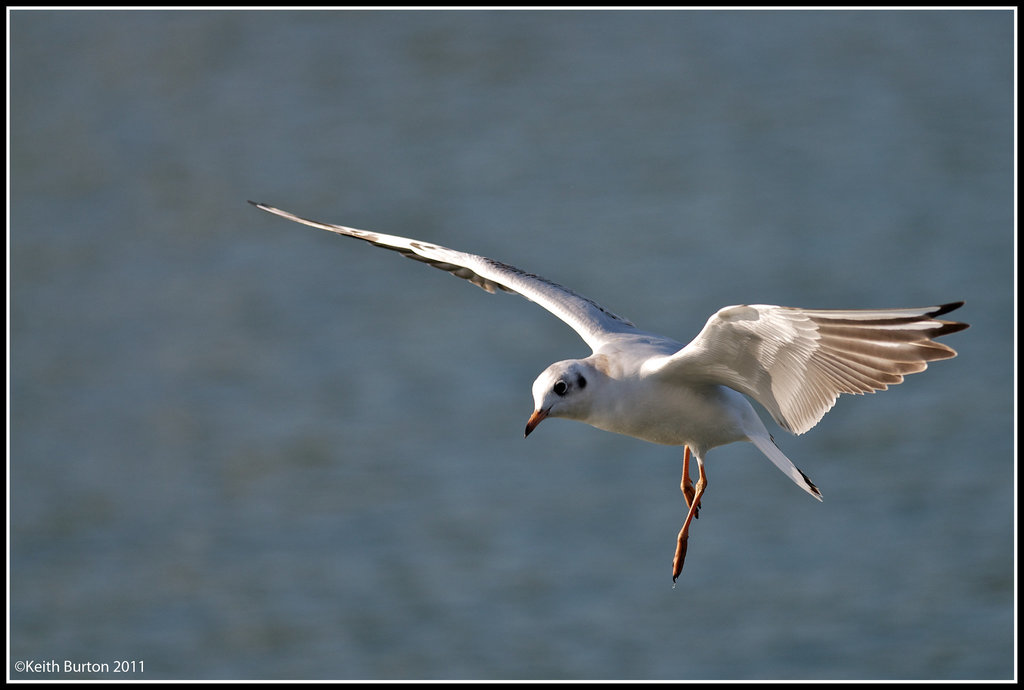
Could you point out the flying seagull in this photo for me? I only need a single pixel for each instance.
(794, 362)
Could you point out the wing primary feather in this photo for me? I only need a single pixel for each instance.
(797, 362)
(590, 320)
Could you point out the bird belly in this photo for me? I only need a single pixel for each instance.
(701, 417)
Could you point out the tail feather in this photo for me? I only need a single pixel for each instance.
(767, 446)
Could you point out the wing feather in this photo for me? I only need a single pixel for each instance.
(797, 362)
(589, 319)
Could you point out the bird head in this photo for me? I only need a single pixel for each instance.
(560, 391)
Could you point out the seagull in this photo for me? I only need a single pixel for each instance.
(794, 362)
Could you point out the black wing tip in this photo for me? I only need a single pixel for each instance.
(815, 489)
(946, 308)
(948, 326)
(951, 327)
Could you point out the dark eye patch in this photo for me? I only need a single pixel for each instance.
(581, 382)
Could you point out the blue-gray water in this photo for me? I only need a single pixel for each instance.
(242, 448)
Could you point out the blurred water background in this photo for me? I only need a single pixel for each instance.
(244, 449)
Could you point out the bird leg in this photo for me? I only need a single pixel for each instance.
(694, 503)
(686, 486)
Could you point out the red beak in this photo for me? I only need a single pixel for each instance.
(536, 418)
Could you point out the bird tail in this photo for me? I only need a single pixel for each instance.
(767, 446)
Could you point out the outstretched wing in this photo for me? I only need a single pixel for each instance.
(796, 362)
(589, 319)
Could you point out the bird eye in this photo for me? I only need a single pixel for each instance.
(560, 388)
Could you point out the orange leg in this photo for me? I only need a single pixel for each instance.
(694, 503)
(686, 486)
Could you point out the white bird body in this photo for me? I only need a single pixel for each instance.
(794, 362)
(624, 399)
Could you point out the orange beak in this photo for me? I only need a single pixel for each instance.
(536, 418)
